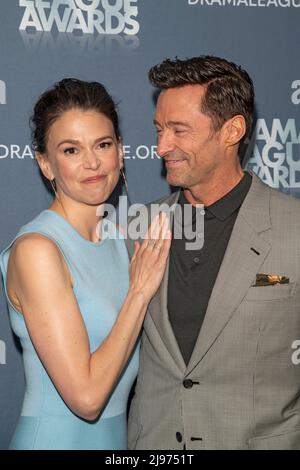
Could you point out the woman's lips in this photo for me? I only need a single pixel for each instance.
(94, 179)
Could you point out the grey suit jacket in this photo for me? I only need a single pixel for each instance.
(245, 391)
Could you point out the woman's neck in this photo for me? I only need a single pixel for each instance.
(85, 219)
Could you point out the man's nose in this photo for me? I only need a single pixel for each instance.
(165, 143)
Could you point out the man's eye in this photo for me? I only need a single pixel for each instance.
(105, 144)
(70, 150)
(179, 131)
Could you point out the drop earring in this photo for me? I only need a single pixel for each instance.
(125, 181)
(53, 185)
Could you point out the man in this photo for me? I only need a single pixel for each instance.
(216, 368)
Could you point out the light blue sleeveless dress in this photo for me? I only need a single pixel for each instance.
(100, 282)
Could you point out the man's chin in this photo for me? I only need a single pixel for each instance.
(173, 181)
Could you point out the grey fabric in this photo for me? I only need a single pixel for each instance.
(246, 391)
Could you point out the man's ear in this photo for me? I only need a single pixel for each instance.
(44, 165)
(234, 130)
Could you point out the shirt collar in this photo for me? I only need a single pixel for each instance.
(228, 204)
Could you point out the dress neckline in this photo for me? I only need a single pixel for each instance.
(73, 229)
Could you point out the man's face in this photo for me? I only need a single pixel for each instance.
(192, 150)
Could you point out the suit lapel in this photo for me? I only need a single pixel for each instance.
(158, 307)
(239, 267)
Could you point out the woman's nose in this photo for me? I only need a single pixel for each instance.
(91, 159)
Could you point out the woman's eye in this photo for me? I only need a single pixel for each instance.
(70, 150)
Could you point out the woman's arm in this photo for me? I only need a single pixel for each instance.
(39, 278)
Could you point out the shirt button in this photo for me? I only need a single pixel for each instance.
(179, 437)
(188, 383)
(202, 212)
(196, 260)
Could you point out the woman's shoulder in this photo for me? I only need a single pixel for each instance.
(28, 232)
(34, 255)
(29, 247)
(42, 231)
(41, 221)
(34, 240)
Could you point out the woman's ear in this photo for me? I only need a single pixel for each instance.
(121, 153)
(44, 165)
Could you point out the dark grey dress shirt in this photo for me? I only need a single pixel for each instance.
(192, 273)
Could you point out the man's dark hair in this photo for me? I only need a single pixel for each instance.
(229, 89)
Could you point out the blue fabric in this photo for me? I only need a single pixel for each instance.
(100, 283)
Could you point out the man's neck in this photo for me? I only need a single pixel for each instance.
(209, 192)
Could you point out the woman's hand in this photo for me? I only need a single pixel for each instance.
(149, 260)
(40, 280)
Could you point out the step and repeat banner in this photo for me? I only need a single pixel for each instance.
(116, 42)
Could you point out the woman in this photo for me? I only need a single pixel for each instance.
(75, 308)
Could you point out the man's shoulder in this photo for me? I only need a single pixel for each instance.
(284, 200)
(284, 208)
(277, 196)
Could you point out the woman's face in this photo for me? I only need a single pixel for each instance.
(84, 156)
